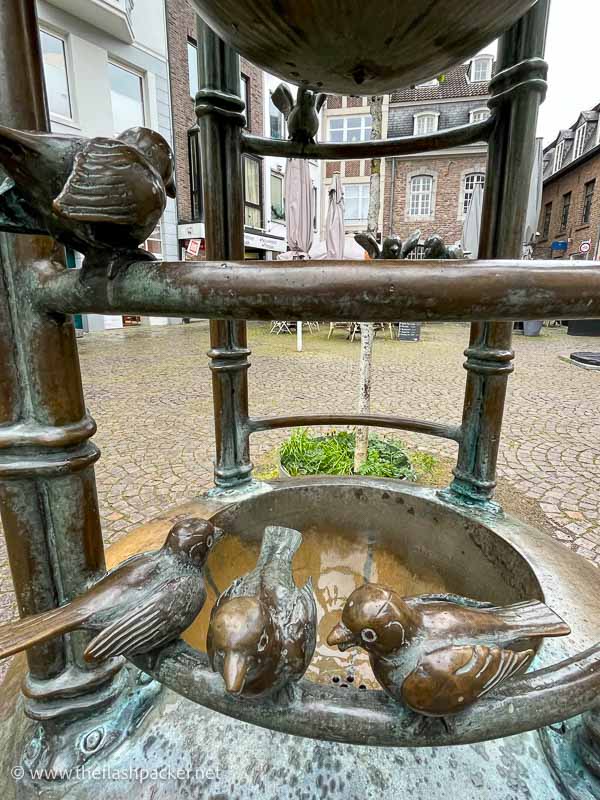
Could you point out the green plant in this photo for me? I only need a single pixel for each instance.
(333, 454)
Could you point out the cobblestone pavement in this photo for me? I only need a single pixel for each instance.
(149, 391)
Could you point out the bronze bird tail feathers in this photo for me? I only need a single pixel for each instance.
(278, 544)
(34, 630)
(532, 618)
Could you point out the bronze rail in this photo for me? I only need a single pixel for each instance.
(256, 424)
(373, 148)
(323, 290)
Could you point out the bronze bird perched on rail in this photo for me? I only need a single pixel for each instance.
(262, 631)
(102, 197)
(392, 247)
(438, 654)
(140, 605)
(435, 248)
(302, 116)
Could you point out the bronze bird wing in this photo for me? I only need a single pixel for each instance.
(111, 182)
(148, 626)
(450, 679)
(369, 243)
(282, 99)
(320, 101)
(410, 244)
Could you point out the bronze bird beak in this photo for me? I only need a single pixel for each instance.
(341, 637)
(235, 667)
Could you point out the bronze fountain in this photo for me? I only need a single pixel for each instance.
(492, 682)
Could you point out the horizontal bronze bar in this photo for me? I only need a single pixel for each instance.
(524, 703)
(333, 291)
(414, 425)
(374, 148)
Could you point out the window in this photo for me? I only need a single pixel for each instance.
(315, 199)
(195, 174)
(350, 129)
(421, 196)
(471, 181)
(481, 69)
(192, 53)
(558, 156)
(564, 219)
(579, 141)
(277, 206)
(426, 123)
(479, 114)
(588, 201)
(55, 74)
(547, 220)
(245, 94)
(418, 254)
(276, 121)
(433, 82)
(253, 215)
(153, 243)
(127, 98)
(356, 196)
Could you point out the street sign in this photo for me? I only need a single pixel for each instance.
(194, 247)
(409, 331)
(585, 247)
(559, 246)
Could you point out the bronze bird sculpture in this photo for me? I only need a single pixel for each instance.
(392, 247)
(102, 197)
(142, 604)
(438, 654)
(262, 631)
(436, 249)
(302, 116)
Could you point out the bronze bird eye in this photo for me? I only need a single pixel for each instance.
(209, 542)
(368, 635)
(264, 641)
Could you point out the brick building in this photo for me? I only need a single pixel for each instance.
(570, 215)
(430, 192)
(265, 230)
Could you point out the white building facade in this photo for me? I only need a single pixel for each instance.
(105, 64)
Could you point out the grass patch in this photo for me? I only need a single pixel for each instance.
(333, 454)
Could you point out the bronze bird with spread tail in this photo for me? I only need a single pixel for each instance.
(262, 632)
(140, 605)
(102, 197)
(438, 654)
(392, 247)
(302, 116)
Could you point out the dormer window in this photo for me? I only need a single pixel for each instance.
(481, 69)
(479, 114)
(433, 82)
(580, 136)
(426, 122)
(559, 155)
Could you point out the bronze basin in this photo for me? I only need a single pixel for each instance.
(407, 537)
(351, 47)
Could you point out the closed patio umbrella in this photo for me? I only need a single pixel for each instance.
(334, 224)
(299, 214)
(472, 224)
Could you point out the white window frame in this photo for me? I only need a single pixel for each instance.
(559, 156)
(579, 144)
(64, 38)
(366, 124)
(421, 117)
(191, 45)
(142, 76)
(488, 61)
(478, 111)
(421, 199)
(467, 191)
(362, 199)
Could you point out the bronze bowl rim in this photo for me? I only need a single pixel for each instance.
(549, 694)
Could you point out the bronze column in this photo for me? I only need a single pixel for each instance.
(48, 501)
(517, 91)
(219, 108)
